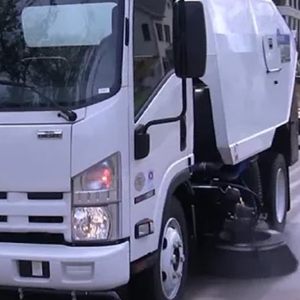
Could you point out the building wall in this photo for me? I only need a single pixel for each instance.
(294, 23)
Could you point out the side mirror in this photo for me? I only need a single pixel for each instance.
(189, 39)
(141, 143)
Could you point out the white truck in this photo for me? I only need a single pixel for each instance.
(130, 127)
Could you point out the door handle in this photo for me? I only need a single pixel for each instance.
(274, 70)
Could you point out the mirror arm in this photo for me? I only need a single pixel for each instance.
(143, 129)
(181, 116)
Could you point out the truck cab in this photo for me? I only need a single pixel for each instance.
(108, 109)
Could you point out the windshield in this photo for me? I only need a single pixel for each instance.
(69, 50)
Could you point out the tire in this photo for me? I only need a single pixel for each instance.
(276, 191)
(152, 283)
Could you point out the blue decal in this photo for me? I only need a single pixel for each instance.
(284, 44)
(283, 39)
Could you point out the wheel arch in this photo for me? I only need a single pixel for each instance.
(283, 144)
(180, 187)
(286, 136)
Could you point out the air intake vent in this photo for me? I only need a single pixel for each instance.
(3, 219)
(32, 238)
(46, 220)
(3, 195)
(45, 196)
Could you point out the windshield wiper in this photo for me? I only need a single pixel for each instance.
(67, 114)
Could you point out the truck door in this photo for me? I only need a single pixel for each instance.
(157, 95)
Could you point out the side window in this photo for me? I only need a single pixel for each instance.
(153, 53)
(160, 34)
(146, 32)
(167, 33)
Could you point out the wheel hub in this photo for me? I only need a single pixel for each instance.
(172, 259)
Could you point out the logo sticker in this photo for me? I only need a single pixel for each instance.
(50, 134)
(144, 197)
(103, 91)
(150, 175)
(139, 181)
(150, 181)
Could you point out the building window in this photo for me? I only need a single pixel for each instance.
(159, 29)
(167, 33)
(146, 32)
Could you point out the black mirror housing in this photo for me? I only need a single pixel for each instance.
(141, 143)
(189, 39)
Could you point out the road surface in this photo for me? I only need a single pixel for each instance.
(288, 287)
(205, 288)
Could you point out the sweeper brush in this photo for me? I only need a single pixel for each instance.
(267, 256)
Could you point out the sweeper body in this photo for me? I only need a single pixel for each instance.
(130, 128)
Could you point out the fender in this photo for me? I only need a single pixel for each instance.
(179, 179)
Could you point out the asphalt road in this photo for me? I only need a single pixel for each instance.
(208, 288)
(288, 287)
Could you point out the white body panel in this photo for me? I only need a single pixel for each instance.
(165, 160)
(248, 105)
(48, 161)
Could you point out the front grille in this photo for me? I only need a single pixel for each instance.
(3, 195)
(44, 220)
(32, 238)
(3, 219)
(45, 196)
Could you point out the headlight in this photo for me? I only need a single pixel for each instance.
(91, 223)
(96, 198)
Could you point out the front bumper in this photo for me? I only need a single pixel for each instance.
(70, 268)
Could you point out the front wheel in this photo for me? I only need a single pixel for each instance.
(166, 279)
(276, 191)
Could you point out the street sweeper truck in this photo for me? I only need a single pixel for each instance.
(130, 129)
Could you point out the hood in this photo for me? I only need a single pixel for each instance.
(35, 158)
